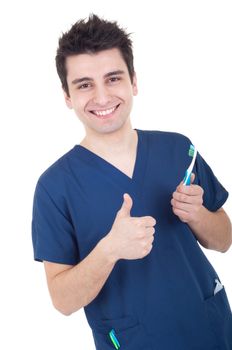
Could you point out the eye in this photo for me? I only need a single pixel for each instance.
(84, 86)
(114, 79)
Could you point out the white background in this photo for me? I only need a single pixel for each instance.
(183, 61)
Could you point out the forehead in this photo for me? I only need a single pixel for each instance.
(94, 65)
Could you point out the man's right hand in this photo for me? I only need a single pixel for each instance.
(131, 237)
(73, 287)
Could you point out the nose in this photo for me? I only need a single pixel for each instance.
(101, 96)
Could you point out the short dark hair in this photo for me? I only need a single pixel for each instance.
(92, 36)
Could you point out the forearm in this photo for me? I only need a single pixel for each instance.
(78, 286)
(212, 229)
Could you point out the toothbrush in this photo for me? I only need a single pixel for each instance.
(192, 153)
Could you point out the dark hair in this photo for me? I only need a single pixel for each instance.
(92, 36)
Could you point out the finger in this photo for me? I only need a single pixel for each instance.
(147, 221)
(192, 190)
(150, 221)
(150, 231)
(186, 207)
(151, 239)
(183, 215)
(186, 198)
(192, 178)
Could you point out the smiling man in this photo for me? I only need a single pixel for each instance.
(95, 212)
(101, 91)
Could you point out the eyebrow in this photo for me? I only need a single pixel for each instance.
(107, 75)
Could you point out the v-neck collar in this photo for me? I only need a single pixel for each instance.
(112, 171)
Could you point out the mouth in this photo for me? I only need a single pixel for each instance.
(105, 113)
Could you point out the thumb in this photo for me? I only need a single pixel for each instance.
(126, 206)
(192, 177)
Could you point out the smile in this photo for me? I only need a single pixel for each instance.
(105, 112)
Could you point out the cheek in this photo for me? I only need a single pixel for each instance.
(79, 102)
(126, 93)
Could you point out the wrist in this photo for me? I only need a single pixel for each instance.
(107, 248)
(198, 219)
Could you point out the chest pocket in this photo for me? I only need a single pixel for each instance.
(129, 333)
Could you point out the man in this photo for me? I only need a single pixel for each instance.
(95, 212)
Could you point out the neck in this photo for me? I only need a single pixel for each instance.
(116, 143)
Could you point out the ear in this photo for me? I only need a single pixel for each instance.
(67, 100)
(134, 85)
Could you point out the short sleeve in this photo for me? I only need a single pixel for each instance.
(53, 235)
(215, 194)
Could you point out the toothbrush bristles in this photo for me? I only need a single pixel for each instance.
(191, 151)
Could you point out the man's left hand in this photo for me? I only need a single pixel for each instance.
(187, 201)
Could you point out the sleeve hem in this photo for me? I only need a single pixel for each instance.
(220, 203)
(57, 260)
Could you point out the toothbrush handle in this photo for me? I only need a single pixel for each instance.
(187, 178)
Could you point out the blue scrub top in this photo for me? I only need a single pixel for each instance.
(165, 300)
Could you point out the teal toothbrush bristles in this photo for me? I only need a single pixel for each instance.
(191, 151)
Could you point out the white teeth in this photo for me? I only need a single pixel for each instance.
(106, 112)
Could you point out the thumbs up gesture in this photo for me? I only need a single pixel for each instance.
(131, 237)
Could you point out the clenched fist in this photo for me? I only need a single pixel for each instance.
(187, 201)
